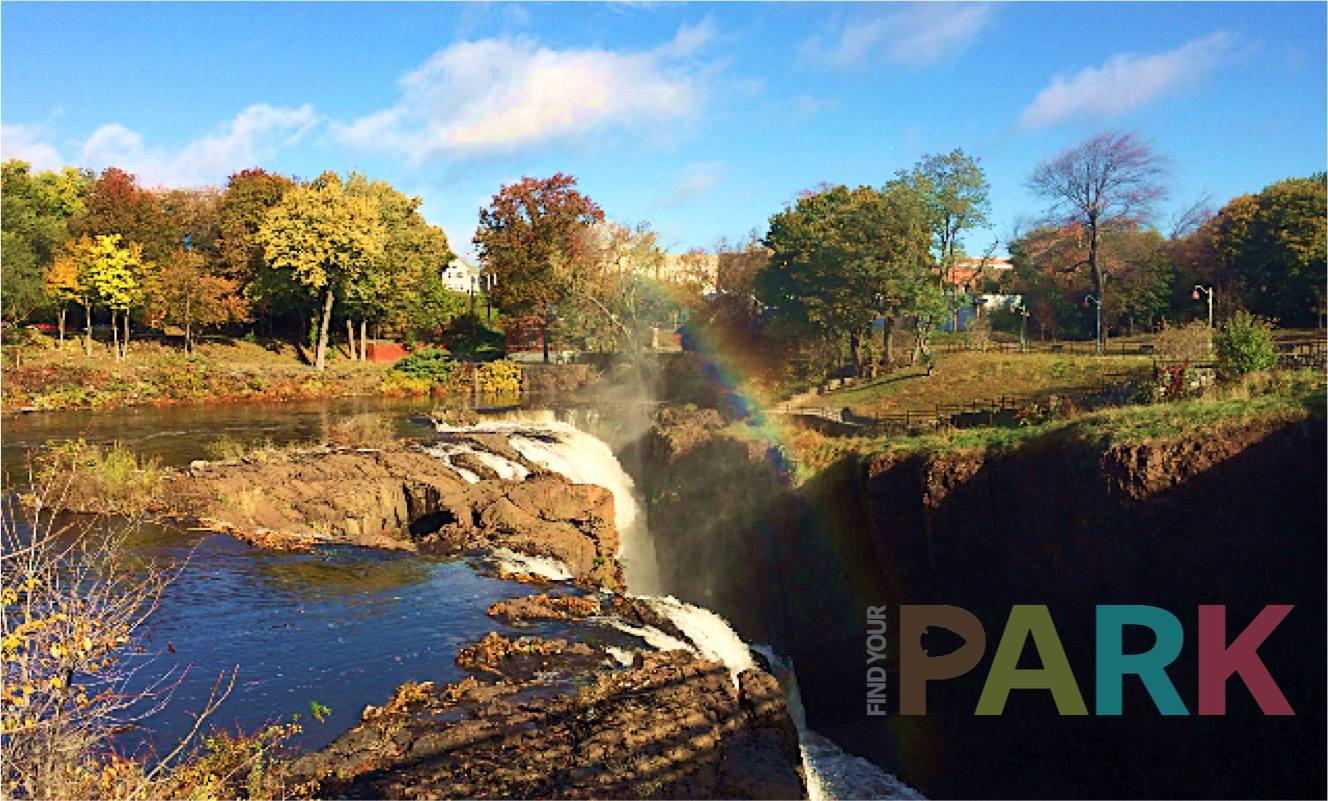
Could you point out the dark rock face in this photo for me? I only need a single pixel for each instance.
(670, 726)
(405, 499)
(1233, 517)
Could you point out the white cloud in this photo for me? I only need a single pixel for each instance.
(1126, 81)
(255, 134)
(694, 182)
(503, 94)
(916, 35)
(26, 143)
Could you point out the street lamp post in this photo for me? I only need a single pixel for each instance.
(1022, 311)
(1097, 336)
(1209, 292)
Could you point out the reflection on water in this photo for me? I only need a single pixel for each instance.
(176, 435)
(340, 626)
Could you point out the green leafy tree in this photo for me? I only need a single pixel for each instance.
(36, 212)
(1245, 344)
(1274, 243)
(532, 240)
(955, 191)
(249, 195)
(840, 257)
(325, 238)
(407, 275)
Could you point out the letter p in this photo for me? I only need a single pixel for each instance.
(916, 668)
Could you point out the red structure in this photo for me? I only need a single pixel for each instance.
(525, 335)
(384, 351)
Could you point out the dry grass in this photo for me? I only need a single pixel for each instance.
(362, 431)
(101, 479)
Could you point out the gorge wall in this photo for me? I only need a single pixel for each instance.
(1234, 517)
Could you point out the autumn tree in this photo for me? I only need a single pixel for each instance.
(112, 273)
(1108, 179)
(117, 206)
(325, 238)
(531, 239)
(183, 291)
(621, 286)
(64, 285)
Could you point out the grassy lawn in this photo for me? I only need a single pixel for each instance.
(964, 377)
(1273, 398)
(51, 377)
(1291, 396)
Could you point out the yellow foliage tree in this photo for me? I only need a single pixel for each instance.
(326, 237)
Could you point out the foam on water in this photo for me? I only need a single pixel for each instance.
(544, 566)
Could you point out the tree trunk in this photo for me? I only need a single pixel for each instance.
(320, 361)
(544, 340)
(63, 308)
(188, 327)
(1096, 271)
(888, 341)
(87, 330)
(853, 351)
(364, 341)
(124, 345)
(115, 335)
(350, 338)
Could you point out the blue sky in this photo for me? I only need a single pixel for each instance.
(702, 118)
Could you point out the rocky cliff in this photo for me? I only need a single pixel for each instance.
(1232, 516)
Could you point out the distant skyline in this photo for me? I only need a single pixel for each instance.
(703, 119)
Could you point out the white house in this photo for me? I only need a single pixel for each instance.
(461, 276)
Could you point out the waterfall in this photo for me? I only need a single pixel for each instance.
(580, 457)
(542, 438)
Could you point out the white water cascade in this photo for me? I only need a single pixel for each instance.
(541, 438)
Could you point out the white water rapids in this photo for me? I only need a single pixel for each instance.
(541, 438)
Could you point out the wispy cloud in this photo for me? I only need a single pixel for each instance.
(29, 144)
(255, 133)
(694, 183)
(917, 34)
(504, 94)
(1125, 82)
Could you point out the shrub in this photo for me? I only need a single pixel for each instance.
(1187, 342)
(225, 448)
(101, 479)
(362, 431)
(1245, 344)
(501, 377)
(395, 383)
(434, 364)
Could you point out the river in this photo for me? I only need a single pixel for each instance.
(343, 627)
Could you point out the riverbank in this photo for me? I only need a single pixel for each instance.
(228, 371)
